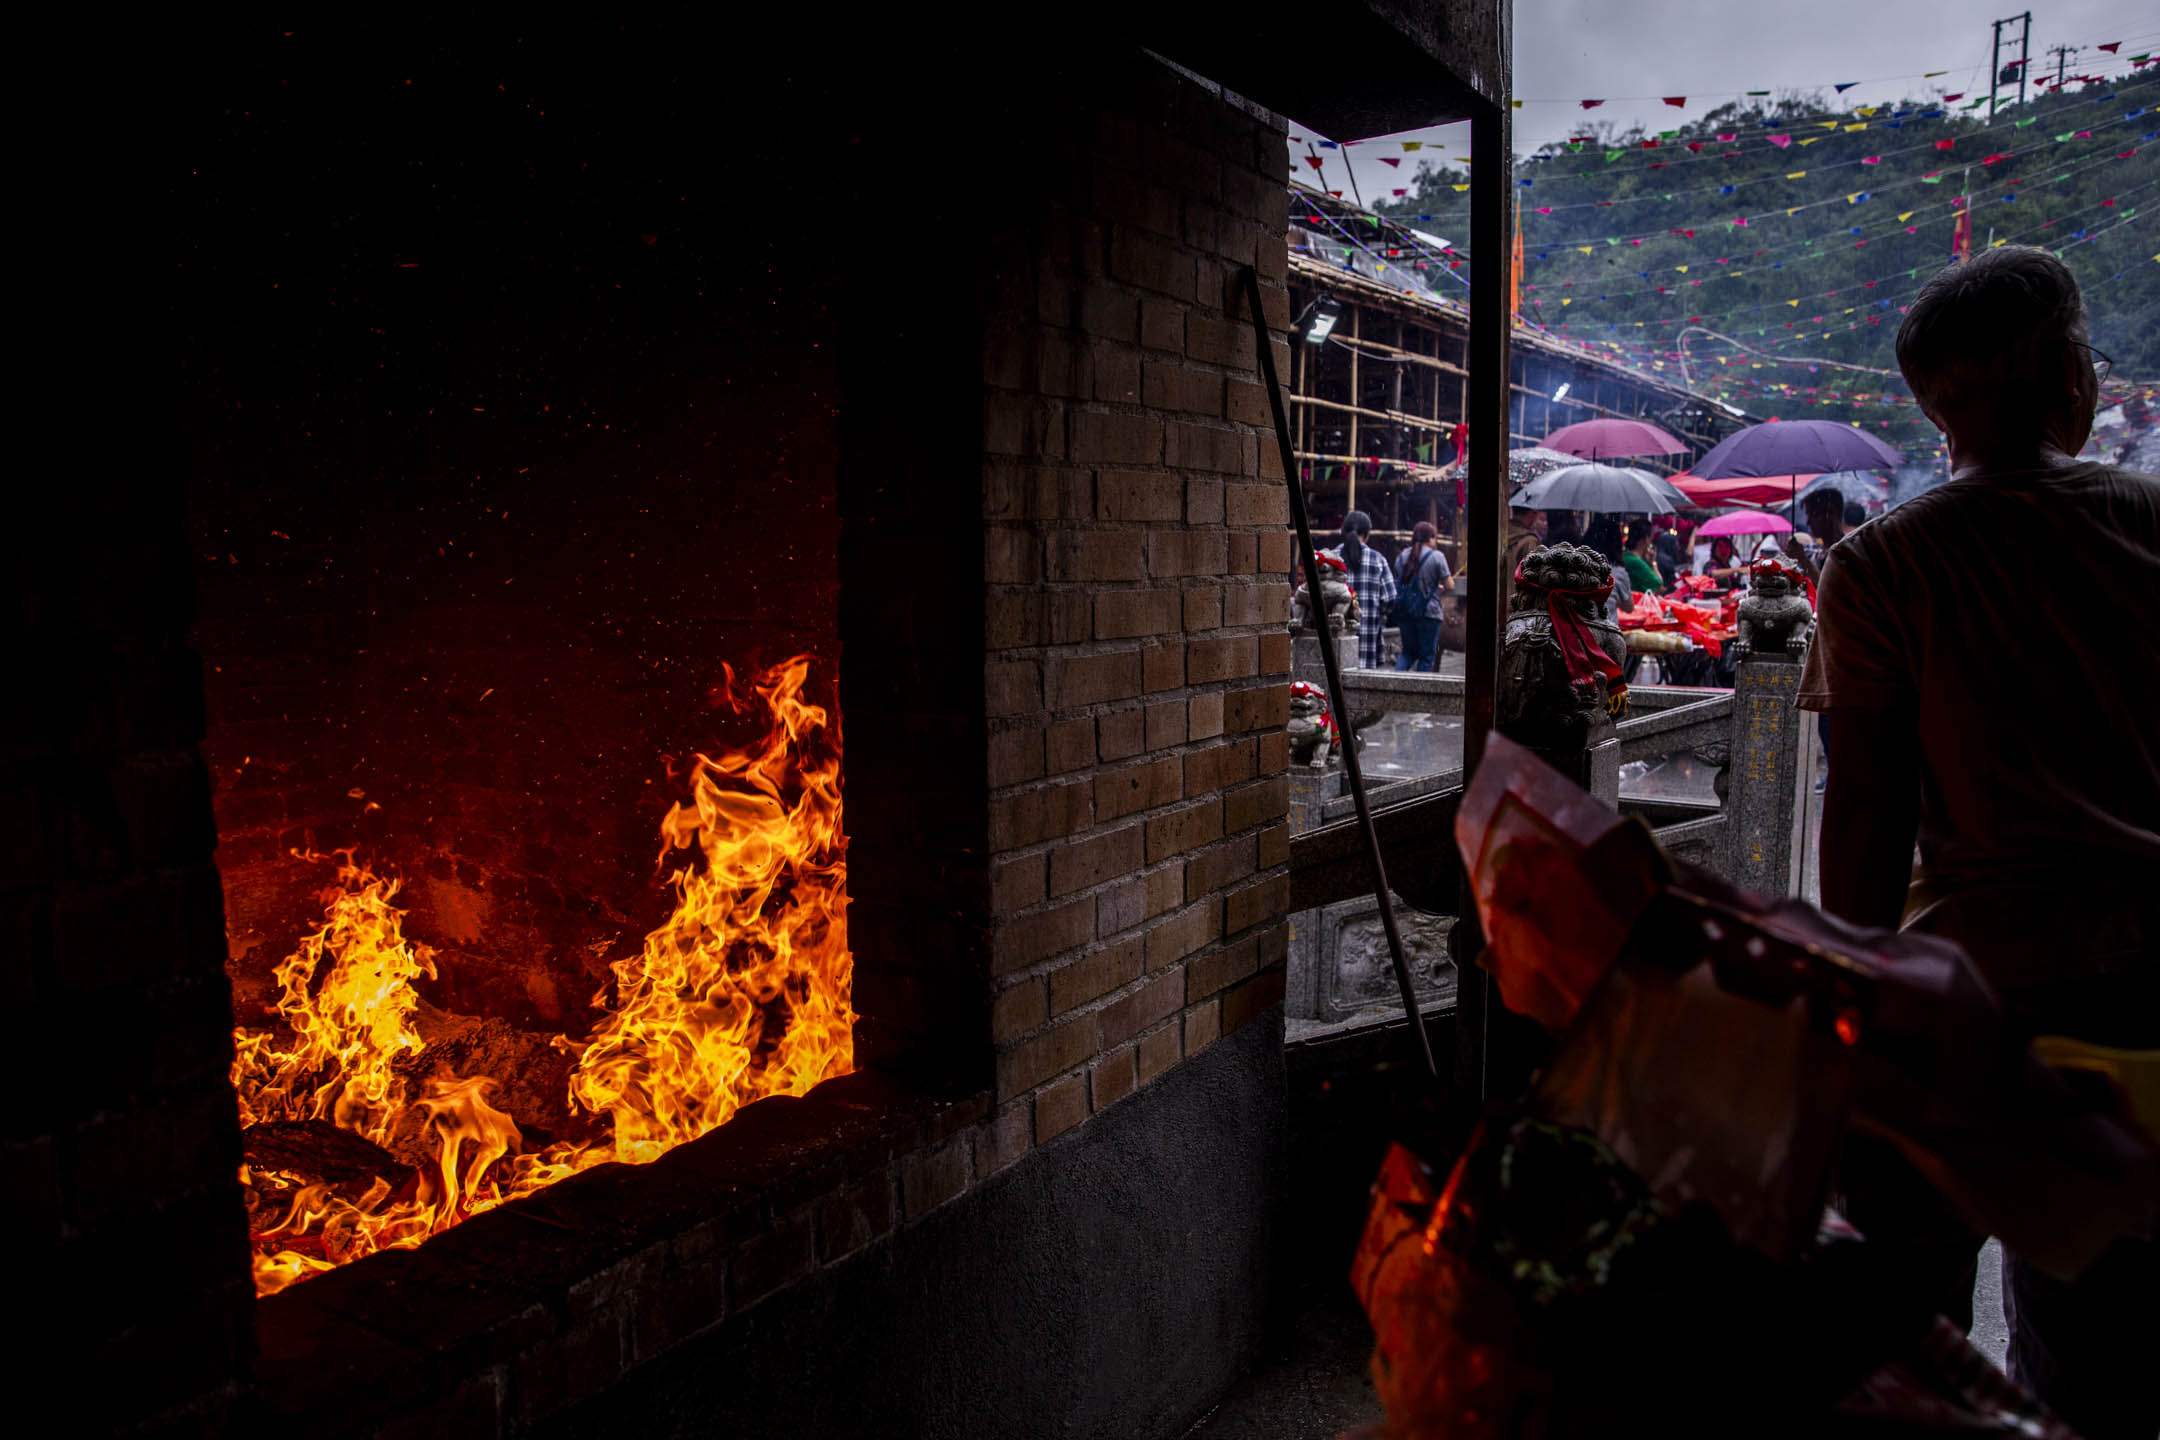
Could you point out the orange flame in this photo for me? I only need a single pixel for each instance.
(743, 993)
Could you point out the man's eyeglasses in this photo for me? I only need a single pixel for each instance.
(2102, 366)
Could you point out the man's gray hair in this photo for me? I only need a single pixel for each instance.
(1990, 332)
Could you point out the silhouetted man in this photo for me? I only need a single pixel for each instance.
(2010, 724)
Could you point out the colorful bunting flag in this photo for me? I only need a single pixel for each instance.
(1871, 160)
(2111, 47)
(1395, 162)
(1781, 141)
(1846, 85)
(1591, 104)
(1678, 102)
(1945, 144)
(1416, 145)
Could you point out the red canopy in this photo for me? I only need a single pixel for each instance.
(1746, 490)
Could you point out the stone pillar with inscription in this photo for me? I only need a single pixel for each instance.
(1773, 767)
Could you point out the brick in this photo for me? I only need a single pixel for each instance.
(1176, 553)
(1275, 552)
(1069, 745)
(1007, 1136)
(1220, 968)
(1060, 1107)
(1166, 725)
(1219, 766)
(1223, 865)
(1144, 260)
(1165, 889)
(1194, 445)
(1120, 734)
(1185, 829)
(1016, 621)
(1167, 385)
(1012, 687)
(1016, 884)
(1094, 679)
(1029, 939)
(1138, 496)
(764, 1263)
(1180, 934)
(1274, 944)
(1256, 505)
(1275, 846)
(1162, 324)
(1117, 373)
(930, 1178)
(1156, 1000)
(1244, 553)
(1029, 816)
(1113, 1077)
(1017, 1010)
(1121, 907)
(1036, 492)
(1254, 998)
(1247, 404)
(1243, 604)
(1215, 341)
(1100, 437)
(1097, 555)
(1157, 1051)
(1248, 905)
(855, 1216)
(1204, 721)
(1093, 976)
(1108, 313)
(1079, 864)
(1126, 614)
(1163, 667)
(1056, 1050)
(1222, 657)
(1204, 501)
(1248, 805)
(1274, 753)
(1203, 1027)
(1134, 788)
(1011, 556)
(1264, 707)
(1203, 607)
(1275, 653)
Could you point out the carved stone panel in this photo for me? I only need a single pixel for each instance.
(1339, 964)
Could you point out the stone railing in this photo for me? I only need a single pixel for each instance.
(1745, 823)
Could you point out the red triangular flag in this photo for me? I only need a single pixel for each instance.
(1679, 102)
(1959, 96)
(1313, 160)
(1591, 104)
(1695, 145)
(1392, 161)
(1944, 144)
(2111, 47)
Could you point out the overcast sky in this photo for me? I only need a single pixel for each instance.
(1631, 53)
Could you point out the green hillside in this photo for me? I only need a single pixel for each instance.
(1751, 263)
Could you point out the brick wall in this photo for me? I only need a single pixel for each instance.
(1136, 680)
(122, 1145)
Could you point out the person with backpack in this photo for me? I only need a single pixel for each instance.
(1421, 580)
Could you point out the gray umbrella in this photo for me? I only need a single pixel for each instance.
(1608, 489)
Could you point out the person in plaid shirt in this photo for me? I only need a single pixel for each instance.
(1374, 582)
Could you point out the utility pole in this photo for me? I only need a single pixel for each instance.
(2022, 63)
(2062, 54)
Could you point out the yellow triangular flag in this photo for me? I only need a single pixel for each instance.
(1567, 302)
(1584, 248)
(1993, 243)
(1795, 175)
(1681, 268)
(1811, 139)
(1828, 124)
(1861, 126)
(1908, 215)
(1865, 109)
(1458, 188)
(1792, 302)
(1412, 144)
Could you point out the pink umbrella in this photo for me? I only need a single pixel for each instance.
(1607, 438)
(1745, 522)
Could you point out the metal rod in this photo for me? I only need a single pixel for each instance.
(1331, 662)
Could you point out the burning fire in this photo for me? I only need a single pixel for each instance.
(743, 993)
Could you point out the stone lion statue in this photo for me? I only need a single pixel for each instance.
(1775, 619)
(1542, 703)
(1336, 595)
(1312, 732)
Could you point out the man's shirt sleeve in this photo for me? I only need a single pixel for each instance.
(1857, 658)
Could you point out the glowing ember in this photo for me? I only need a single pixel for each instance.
(743, 993)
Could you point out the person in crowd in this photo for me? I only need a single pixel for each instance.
(1667, 550)
(1855, 515)
(1603, 536)
(1562, 526)
(1642, 574)
(1421, 580)
(1825, 512)
(1721, 564)
(1374, 581)
(2008, 726)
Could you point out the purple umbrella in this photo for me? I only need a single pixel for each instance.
(1609, 438)
(1746, 522)
(1794, 447)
